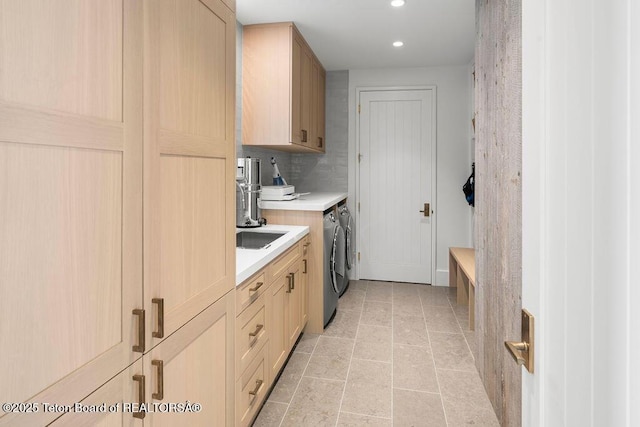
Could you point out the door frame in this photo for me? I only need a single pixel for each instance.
(434, 163)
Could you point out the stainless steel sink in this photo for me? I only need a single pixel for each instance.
(255, 240)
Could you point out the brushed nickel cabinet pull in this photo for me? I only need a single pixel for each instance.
(256, 287)
(159, 395)
(139, 348)
(140, 380)
(254, 335)
(289, 283)
(255, 391)
(304, 268)
(159, 333)
(304, 135)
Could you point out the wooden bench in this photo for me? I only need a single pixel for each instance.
(462, 275)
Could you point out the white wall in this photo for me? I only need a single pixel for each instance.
(453, 151)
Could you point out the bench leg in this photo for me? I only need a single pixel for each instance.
(463, 285)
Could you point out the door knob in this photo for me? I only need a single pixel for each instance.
(427, 210)
(522, 351)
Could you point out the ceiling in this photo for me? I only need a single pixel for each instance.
(352, 34)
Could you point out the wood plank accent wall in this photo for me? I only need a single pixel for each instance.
(498, 212)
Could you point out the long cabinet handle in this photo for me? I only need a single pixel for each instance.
(293, 280)
(255, 391)
(254, 335)
(139, 348)
(159, 394)
(159, 332)
(289, 283)
(140, 380)
(304, 262)
(319, 142)
(256, 287)
(304, 135)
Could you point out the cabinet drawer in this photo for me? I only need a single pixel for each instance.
(250, 290)
(252, 332)
(280, 265)
(251, 389)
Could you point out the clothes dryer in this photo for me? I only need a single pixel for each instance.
(334, 269)
(348, 227)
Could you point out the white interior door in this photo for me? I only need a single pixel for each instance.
(581, 204)
(396, 173)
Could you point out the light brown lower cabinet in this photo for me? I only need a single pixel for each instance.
(192, 366)
(272, 316)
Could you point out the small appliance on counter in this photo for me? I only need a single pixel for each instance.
(248, 188)
(279, 192)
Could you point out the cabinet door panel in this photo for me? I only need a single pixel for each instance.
(306, 97)
(189, 153)
(297, 47)
(279, 333)
(118, 391)
(70, 208)
(294, 311)
(198, 367)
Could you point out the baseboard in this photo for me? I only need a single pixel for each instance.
(442, 278)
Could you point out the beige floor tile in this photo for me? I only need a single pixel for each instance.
(271, 414)
(307, 343)
(461, 415)
(450, 351)
(352, 300)
(470, 336)
(373, 343)
(462, 314)
(410, 330)
(441, 319)
(330, 359)
(316, 403)
(376, 313)
(413, 369)
(414, 408)
(462, 386)
(379, 291)
(356, 420)
(368, 389)
(290, 377)
(407, 306)
(406, 289)
(434, 295)
(344, 324)
(357, 285)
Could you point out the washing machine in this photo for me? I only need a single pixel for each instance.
(334, 264)
(348, 227)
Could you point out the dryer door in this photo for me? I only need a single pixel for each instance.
(338, 258)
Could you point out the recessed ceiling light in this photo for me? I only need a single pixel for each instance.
(397, 3)
(398, 44)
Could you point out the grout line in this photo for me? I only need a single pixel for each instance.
(325, 379)
(463, 334)
(433, 358)
(417, 391)
(344, 390)
(365, 415)
(372, 360)
(299, 381)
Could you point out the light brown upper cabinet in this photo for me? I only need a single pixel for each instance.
(283, 90)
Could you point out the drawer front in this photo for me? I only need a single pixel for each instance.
(280, 265)
(251, 389)
(250, 290)
(252, 332)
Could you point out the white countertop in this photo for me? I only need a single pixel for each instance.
(310, 202)
(250, 261)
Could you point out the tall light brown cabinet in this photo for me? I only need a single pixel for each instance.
(117, 254)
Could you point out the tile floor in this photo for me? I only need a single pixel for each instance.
(396, 354)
